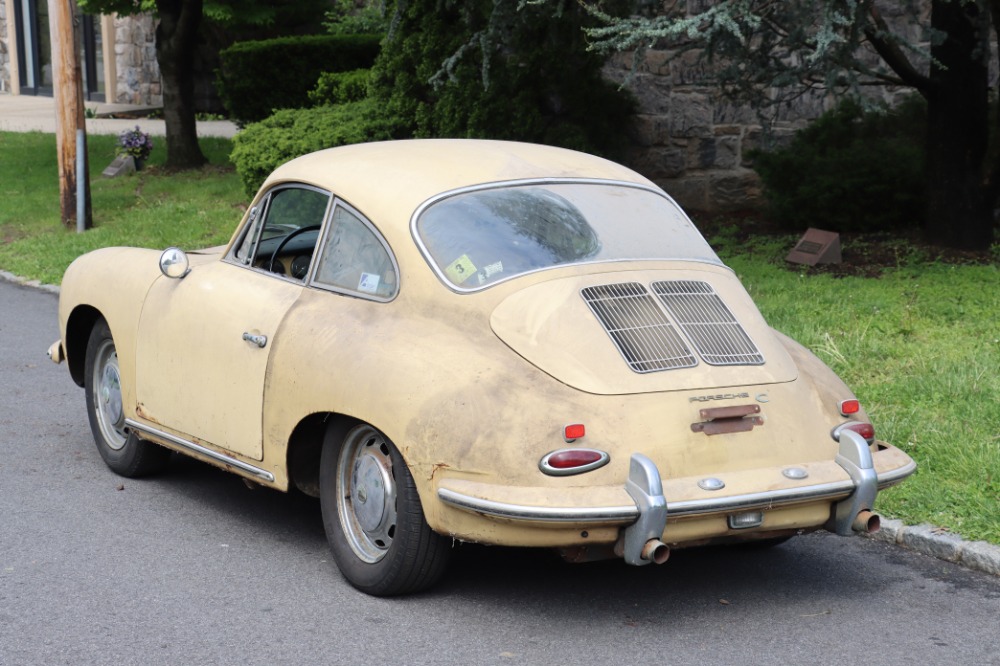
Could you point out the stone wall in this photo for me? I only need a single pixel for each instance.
(688, 140)
(694, 144)
(135, 61)
(5, 54)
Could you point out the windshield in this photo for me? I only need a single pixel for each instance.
(480, 237)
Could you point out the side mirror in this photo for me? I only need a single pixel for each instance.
(174, 263)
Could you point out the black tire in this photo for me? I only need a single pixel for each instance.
(120, 448)
(373, 517)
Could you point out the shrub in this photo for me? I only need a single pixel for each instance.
(477, 68)
(499, 70)
(258, 77)
(347, 18)
(850, 170)
(263, 146)
(340, 87)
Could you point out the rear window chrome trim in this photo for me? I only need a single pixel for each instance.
(523, 182)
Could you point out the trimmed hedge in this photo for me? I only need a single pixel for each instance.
(259, 77)
(340, 87)
(850, 170)
(263, 146)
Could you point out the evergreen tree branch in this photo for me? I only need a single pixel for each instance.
(879, 36)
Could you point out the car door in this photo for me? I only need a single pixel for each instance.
(204, 340)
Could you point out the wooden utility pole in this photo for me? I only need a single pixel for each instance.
(67, 91)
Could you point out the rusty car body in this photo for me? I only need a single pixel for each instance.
(461, 340)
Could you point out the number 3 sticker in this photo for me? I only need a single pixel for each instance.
(461, 269)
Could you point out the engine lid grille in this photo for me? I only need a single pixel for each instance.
(707, 322)
(648, 330)
(639, 328)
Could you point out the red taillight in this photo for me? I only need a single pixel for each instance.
(574, 431)
(848, 407)
(574, 458)
(572, 461)
(866, 430)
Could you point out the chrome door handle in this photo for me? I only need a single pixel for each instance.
(259, 340)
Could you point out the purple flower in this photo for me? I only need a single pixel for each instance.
(135, 143)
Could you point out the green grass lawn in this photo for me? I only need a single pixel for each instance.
(920, 344)
(147, 209)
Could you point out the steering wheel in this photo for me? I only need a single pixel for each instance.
(284, 242)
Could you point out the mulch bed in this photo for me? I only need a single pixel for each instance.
(863, 254)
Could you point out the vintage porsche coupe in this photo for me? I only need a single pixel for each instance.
(458, 340)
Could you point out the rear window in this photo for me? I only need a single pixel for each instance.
(476, 238)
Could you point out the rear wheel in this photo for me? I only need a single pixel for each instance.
(121, 450)
(373, 517)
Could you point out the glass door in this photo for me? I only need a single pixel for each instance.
(34, 51)
(92, 59)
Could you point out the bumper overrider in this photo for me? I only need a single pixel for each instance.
(851, 496)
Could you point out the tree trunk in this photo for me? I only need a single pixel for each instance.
(960, 212)
(176, 41)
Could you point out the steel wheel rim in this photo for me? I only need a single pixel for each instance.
(107, 394)
(366, 495)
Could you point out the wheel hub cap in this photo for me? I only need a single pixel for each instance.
(368, 492)
(111, 394)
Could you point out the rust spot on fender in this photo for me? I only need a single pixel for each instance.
(140, 411)
(436, 467)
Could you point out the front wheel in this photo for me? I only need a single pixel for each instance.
(373, 517)
(120, 448)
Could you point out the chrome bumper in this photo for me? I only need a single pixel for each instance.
(647, 516)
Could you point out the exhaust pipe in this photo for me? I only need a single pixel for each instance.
(867, 522)
(655, 551)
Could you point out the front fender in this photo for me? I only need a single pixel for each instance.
(109, 283)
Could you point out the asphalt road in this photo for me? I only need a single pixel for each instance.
(193, 568)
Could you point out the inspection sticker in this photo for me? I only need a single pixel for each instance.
(369, 282)
(461, 269)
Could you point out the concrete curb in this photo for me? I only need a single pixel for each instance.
(925, 539)
(940, 543)
(34, 284)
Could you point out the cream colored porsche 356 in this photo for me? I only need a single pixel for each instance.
(477, 341)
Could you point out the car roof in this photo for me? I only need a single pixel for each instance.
(389, 180)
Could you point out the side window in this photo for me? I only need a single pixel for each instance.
(354, 259)
(288, 232)
(244, 250)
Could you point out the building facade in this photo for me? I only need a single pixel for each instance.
(117, 54)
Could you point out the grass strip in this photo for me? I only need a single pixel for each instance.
(920, 346)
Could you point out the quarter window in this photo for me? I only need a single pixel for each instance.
(354, 258)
